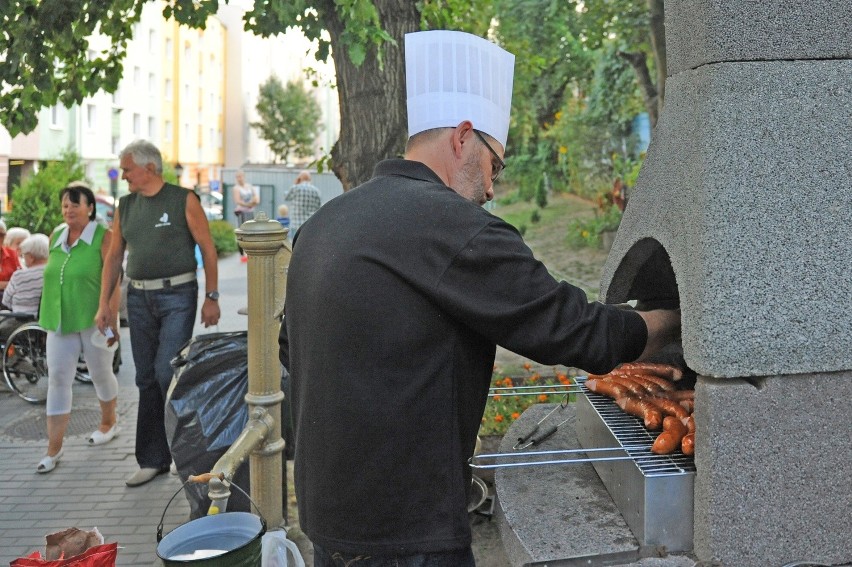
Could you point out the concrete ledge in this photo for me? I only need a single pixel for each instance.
(744, 189)
(774, 462)
(701, 32)
(562, 514)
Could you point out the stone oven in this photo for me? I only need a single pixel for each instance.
(741, 215)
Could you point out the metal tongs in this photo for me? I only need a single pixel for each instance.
(536, 436)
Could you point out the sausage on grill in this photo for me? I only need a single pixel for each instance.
(662, 370)
(670, 439)
(650, 415)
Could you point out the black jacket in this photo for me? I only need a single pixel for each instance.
(397, 293)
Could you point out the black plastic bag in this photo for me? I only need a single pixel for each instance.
(206, 412)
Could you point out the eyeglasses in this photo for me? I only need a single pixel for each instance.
(497, 169)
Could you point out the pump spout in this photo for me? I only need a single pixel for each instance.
(254, 434)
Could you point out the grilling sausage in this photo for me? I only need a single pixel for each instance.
(687, 444)
(661, 382)
(634, 388)
(650, 415)
(669, 407)
(606, 388)
(670, 439)
(678, 395)
(649, 386)
(662, 370)
(689, 422)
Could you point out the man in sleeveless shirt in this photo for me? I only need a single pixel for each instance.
(159, 225)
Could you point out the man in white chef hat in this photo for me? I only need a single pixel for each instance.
(398, 292)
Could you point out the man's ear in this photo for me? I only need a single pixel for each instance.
(462, 134)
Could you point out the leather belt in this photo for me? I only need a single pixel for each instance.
(162, 283)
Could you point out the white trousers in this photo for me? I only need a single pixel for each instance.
(63, 352)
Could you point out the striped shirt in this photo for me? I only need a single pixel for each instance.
(23, 293)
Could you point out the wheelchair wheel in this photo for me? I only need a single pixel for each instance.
(25, 362)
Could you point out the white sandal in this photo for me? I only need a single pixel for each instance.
(48, 463)
(98, 437)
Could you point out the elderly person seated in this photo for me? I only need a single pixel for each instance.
(23, 293)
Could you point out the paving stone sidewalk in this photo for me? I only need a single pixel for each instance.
(87, 487)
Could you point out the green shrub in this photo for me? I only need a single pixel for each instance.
(35, 203)
(535, 216)
(223, 237)
(541, 192)
(587, 232)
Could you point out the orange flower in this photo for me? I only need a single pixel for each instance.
(534, 378)
(496, 397)
(527, 366)
(515, 415)
(498, 418)
(563, 379)
(542, 397)
(508, 382)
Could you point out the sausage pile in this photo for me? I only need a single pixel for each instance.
(648, 391)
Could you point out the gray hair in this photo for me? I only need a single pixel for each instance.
(144, 152)
(15, 235)
(36, 244)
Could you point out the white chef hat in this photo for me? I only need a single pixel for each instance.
(454, 76)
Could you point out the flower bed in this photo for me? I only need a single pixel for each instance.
(511, 397)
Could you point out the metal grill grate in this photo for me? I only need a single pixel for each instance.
(632, 435)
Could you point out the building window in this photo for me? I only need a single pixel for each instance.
(152, 84)
(91, 117)
(152, 36)
(168, 46)
(167, 135)
(168, 93)
(116, 97)
(116, 144)
(137, 124)
(137, 77)
(152, 128)
(54, 116)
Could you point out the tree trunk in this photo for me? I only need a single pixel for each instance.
(658, 42)
(373, 116)
(639, 63)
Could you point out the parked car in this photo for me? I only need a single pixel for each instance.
(104, 208)
(211, 202)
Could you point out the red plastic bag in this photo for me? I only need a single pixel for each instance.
(97, 556)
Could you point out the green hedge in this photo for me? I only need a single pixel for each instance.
(223, 237)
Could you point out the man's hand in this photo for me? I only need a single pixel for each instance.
(210, 313)
(663, 328)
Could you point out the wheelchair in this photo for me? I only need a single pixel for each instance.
(24, 360)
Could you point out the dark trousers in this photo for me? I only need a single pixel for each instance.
(459, 558)
(161, 322)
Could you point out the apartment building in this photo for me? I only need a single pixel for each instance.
(191, 92)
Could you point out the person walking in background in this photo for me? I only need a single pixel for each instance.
(304, 200)
(159, 225)
(398, 291)
(246, 199)
(72, 288)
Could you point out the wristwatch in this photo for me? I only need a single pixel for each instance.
(212, 295)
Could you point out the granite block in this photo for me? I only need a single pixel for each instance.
(702, 32)
(774, 460)
(742, 200)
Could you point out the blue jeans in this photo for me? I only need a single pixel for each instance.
(160, 322)
(458, 558)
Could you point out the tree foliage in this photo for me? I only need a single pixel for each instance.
(289, 118)
(36, 200)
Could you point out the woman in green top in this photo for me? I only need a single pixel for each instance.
(69, 301)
